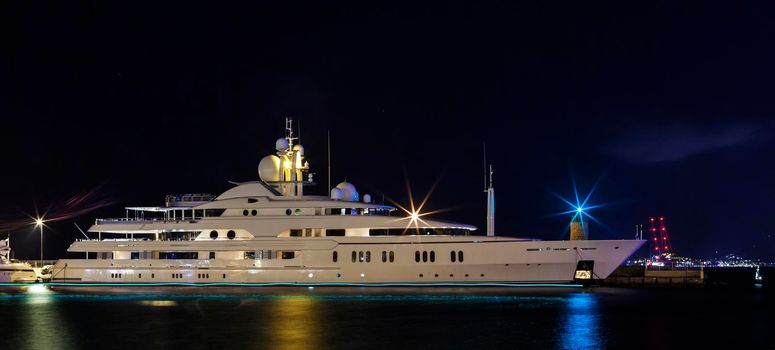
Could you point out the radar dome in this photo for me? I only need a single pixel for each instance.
(269, 168)
(281, 144)
(299, 148)
(336, 194)
(366, 198)
(349, 193)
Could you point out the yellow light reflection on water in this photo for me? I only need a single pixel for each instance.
(159, 303)
(295, 323)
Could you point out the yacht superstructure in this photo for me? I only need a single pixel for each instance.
(268, 231)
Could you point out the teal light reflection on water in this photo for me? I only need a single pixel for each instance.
(581, 325)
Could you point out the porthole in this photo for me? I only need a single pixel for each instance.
(391, 256)
(336, 256)
(297, 212)
(433, 256)
(231, 234)
(425, 256)
(436, 275)
(417, 256)
(384, 256)
(254, 212)
(452, 256)
(420, 275)
(213, 234)
(224, 276)
(354, 256)
(245, 212)
(153, 275)
(460, 256)
(288, 212)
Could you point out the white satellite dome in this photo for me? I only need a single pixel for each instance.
(269, 168)
(336, 194)
(349, 193)
(299, 148)
(366, 198)
(281, 144)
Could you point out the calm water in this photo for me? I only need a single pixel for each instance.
(321, 318)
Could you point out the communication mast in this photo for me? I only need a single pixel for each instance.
(660, 241)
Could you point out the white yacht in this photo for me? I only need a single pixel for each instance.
(12, 271)
(267, 232)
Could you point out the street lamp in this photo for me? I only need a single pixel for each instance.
(39, 222)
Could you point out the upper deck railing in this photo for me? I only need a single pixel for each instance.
(183, 198)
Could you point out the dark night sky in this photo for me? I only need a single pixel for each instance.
(671, 103)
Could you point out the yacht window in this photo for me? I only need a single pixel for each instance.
(417, 256)
(254, 212)
(224, 275)
(198, 213)
(231, 234)
(153, 275)
(392, 256)
(368, 256)
(424, 256)
(360, 256)
(336, 256)
(433, 256)
(384, 256)
(452, 256)
(288, 255)
(335, 232)
(297, 212)
(214, 212)
(213, 234)
(188, 213)
(250, 255)
(212, 255)
(134, 255)
(252, 200)
(178, 255)
(353, 256)
(288, 212)
(460, 256)
(353, 211)
(295, 233)
(245, 212)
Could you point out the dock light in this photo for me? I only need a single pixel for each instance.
(39, 223)
(579, 209)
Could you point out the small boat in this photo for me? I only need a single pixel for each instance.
(14, 271)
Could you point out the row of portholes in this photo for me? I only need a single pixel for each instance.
(230, 235)
(116, 275)
(366, 257)
(203, 275)
(425, 256)
(294, 212)
(450, 275)
(252, 212)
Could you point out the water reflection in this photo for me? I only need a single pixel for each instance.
(295, 323)
(581, 325)
(41, 316)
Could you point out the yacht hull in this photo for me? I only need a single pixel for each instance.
(403, 262)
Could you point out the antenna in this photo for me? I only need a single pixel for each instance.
(328, 138)
(484, 148)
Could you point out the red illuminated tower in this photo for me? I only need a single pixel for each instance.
(660, 241)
